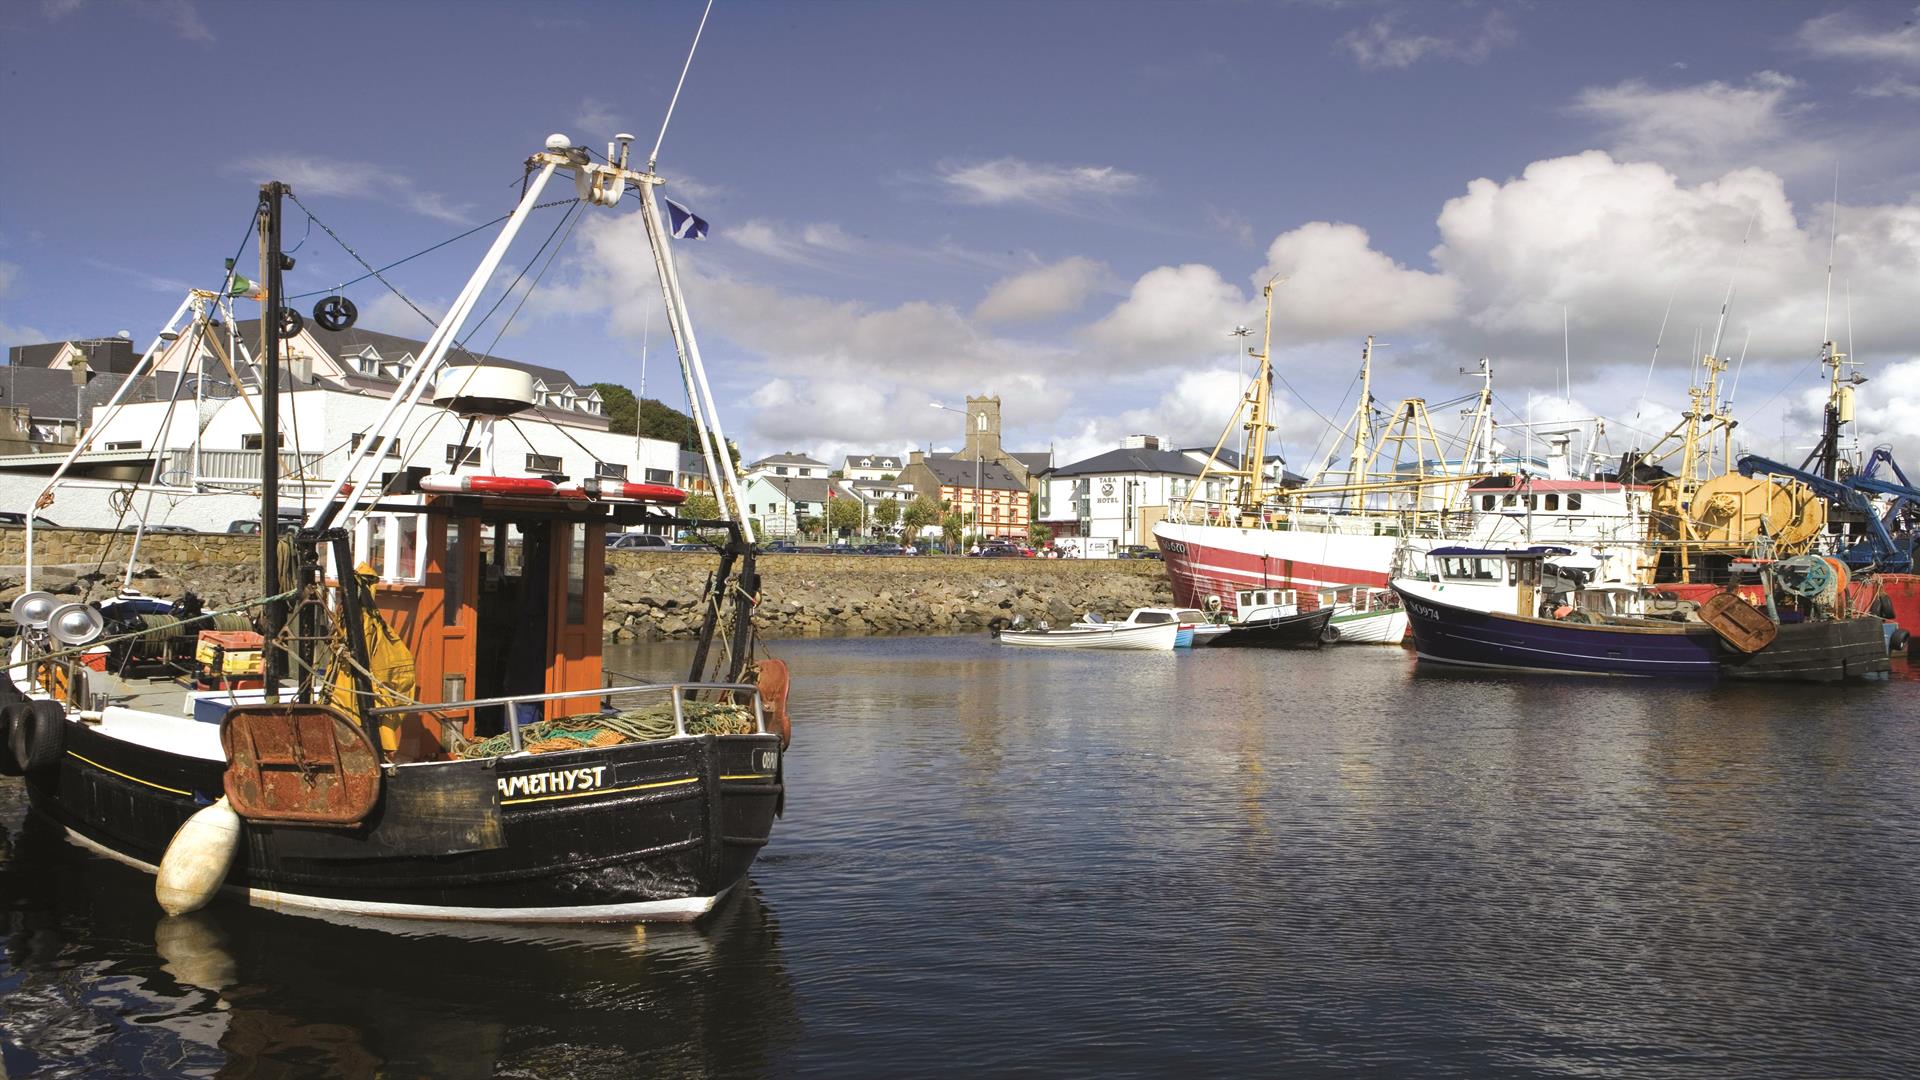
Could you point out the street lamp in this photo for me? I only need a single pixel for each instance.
(977, 504)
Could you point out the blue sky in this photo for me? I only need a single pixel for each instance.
(1068, 204)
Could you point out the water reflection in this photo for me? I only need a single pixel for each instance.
(98, 983)
(992, 861)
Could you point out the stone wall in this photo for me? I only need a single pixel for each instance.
(656, 594)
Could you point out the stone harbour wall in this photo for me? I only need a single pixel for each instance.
(656, 594)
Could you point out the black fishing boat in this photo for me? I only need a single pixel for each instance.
(441, 747)
(1301, 630)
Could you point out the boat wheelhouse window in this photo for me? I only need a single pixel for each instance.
(1573, 502)
(610, 470)
(457, 458)
(1457, 568)
(574, 536)
(373, 550)
(1191, 615)
(1148, 617)
(543, 463)
(1488, 502)
(1553, 502)
(1509, 500)
(454, 575)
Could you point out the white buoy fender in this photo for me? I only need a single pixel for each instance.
(197, 859)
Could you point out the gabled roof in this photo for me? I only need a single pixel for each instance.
(788, 458)
(890, 462)
(104, 354)
(1035, 460)
(392, 347)
(959, 472)
(812, 489)
(1165, 462)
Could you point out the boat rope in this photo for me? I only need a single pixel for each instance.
(371, 272)
(649, 724)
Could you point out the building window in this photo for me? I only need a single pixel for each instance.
(543, 463)
(780, 470)
(659, 476)
(358, 437)
(610, 470)
(257, 441)
(456, 458)
(131, 445)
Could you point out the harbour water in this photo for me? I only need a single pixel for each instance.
(998, 861)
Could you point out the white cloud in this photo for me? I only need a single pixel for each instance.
(325, 177)
(1844, 35)
(1381, 43)
(1173, 314)
(1045, 291)
(1891, 87)
(596, 120)
(805, 245)
(1884, 411)
(1010, 180)
(1338, 285)
(1688, 127)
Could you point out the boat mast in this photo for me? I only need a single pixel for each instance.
(1252, 494)
(271, 263)
(1362, 427)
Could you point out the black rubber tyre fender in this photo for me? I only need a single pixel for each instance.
(1899, 641)
(36, 736)
(11, 712)
(1329, 634)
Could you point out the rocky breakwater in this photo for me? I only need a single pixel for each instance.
(89, 563)
(657, 594)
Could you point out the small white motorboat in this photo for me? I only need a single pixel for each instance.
(1196, 628)
(1153, 637)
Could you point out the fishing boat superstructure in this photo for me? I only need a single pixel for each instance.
(430, 736)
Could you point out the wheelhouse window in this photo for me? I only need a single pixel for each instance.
(1510, 500)
(1573, 502)
(1553, 502)
(575, 538)
(1458, 568)
(1488, 502)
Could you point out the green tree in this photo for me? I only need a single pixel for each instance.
(843, 513)
(951, 527)
(1039, 535)
(886, 514)
(622, 410)
(919, 514)
(700, 505)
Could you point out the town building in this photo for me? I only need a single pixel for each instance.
(1113, 500)
(789, 464)
(992, 500)
(786, 506)
(115, 355)
(872, 466)
(194, 435)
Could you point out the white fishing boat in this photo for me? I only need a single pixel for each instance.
(1365, 616)
(1153, 637)
(1196, 628)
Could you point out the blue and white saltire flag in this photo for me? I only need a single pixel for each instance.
(684, 224)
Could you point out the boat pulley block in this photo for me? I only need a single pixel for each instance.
(289, 322)
(335, 313)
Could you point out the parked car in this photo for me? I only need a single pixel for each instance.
(15, 517)
(170, 528)
(691, 547)
(780, 546)
(1137, 551)
(634, 541)
(251, 526)
(998, 551)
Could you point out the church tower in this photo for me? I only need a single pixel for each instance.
(983, 429)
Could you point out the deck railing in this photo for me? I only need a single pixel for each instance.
(512, 701)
